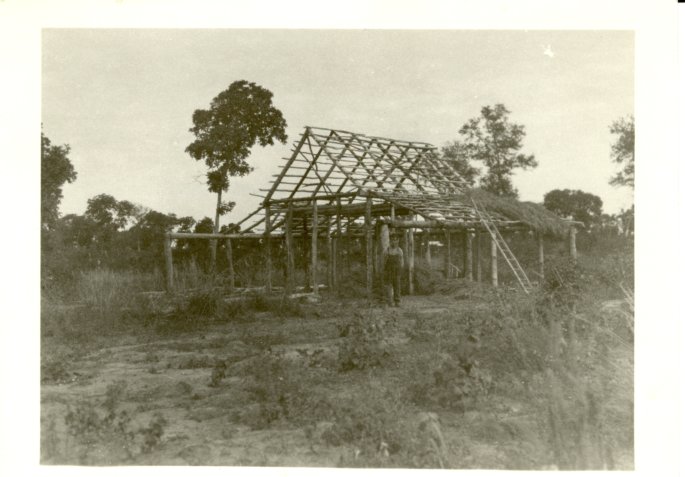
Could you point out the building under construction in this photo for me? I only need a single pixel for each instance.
(339, 187)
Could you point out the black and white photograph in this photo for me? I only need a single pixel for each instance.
(356, 248)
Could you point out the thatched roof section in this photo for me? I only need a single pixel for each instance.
(531, 214)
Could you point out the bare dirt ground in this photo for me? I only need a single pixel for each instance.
(270, 391)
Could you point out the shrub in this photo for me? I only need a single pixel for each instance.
(108, 438)
(364, 345)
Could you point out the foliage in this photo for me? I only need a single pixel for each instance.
(92, 430)
(364, 345)
(237, 119)
(575, 204)
(456, 155)
(55, 170)
(623, 151)
(496, 142)
(456, 382)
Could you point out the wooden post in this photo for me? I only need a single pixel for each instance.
(289, 258)
(427, 242)
(229, 260)
(315, 233)
(337, 265)
(330, 258)
(369, 249)
(468, 256)
(479, 270)
(383, 246)
(267, 246)
(541, 256)
(305, 252)
(572, 243)
(493, 262)
(348, 245)
(448, 253)
(169, 263)
(409, 251)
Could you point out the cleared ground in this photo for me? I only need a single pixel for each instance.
(468, 379)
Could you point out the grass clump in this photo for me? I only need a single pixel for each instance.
(365, 344)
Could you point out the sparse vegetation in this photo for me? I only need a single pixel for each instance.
(466, 376)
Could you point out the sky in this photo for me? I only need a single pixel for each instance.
(123, 100)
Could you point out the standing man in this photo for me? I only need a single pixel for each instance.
(394, 263)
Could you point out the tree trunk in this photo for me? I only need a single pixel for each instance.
(213, 243)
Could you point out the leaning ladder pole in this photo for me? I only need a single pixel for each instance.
(509, 256)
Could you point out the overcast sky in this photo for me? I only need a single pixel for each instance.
(123, 100)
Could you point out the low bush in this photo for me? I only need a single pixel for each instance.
(107, 436)
(365, 344)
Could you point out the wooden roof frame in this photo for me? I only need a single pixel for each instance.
(340, 169)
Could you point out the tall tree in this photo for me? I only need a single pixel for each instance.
(575, 204)
(456, 155)
(55, 170)
(623, 151)
(238, 118)
(492, 139)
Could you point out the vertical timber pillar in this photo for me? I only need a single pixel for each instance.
(337, 243)
(267, 246)
(468, 267)
(169, 263)
(479, 268)
(541, 256)
(315, 234)
(369, 249)
(229, 260)
(410, 259)
(427, 242)
(572, 244)
(330, 262)
(384, 245)
(493, 262)
(289, 255)
(448, 253)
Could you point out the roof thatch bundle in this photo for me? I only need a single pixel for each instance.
(533, 215)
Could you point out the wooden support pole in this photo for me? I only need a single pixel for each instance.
(267, 246)
(229, 260)
(330, 258)
(383, 246)
(315, 233)
(468, 256)
(493, 262)
(572, 243)
(448, 254)
(409, 251)
(305, 251)
(369, 249)
(336, 243)
(541, 256)
(290, 257)
(348, 245)
(479, 268)
(427, 244)
(169, 263)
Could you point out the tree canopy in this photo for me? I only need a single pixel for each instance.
(575, 204)
(238, 118)
(457, 156)
(495, 141)
(55, 170)
(623, 151)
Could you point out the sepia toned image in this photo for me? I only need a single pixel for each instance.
(337, 248)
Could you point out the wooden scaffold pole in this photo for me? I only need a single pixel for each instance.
(290, 257)
(493, 262)
(468, 255)
(229, 260)
(369, 249)
(314, 257)
(267, 246)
